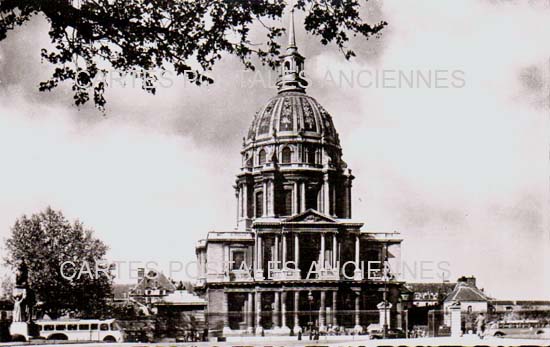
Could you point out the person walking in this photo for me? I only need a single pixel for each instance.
(480, 325)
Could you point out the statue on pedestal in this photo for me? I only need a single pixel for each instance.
(24, 301)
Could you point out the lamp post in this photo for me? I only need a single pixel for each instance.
(405, 302)
(385, 294)
(310, 299)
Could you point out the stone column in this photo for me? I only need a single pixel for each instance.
(322, 310)
(275, 257)
(250, 313)
(297, 327)
(295, 198)
(276, 305)
(334, 251)
(283, 251)
(358, 274)
(302, 196)
(326, 195)
(226, 262)
(240, 214)
(334, 310)
(226, 328)
(270, 198)
(283, 311)
(358, 312)
(333, 200)
(245, 200)
(264, 212)
(322, 252)
(258, 301)
(297, 251)
(258, 274)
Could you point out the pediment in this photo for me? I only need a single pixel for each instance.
(310, 216)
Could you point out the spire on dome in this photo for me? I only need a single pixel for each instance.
(291, 33)
(292, 64)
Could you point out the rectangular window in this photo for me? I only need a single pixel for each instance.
(94, 326)
(311, 198)
(83, 327)
(259, 204)
(71, 327)
(287, 202)
(48, 327)
(60, 327)
(104, 327)
(238, 258)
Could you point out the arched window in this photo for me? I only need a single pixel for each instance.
(311, 155)
(287, 66)
(261, 157)
(286, 155)
(259, 202)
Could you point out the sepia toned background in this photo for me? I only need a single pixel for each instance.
(462, 173)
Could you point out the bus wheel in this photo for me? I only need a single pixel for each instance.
(61, 337)
(18, 338)
(109, 339)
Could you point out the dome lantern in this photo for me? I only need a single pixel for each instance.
(291, 75)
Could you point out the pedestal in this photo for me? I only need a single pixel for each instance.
(384, 314)
(20, 329)
(296, 329)
(456, 320)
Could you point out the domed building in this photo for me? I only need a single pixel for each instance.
(297, 260)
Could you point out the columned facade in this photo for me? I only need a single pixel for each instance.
(296, 260)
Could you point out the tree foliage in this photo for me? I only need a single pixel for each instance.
(46, 240)
(94, 37)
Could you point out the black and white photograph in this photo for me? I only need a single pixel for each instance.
(274, 173)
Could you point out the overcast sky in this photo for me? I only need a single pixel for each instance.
(462, 173)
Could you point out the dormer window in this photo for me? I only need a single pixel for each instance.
(261, 157)
(286, 155)
(311, 155)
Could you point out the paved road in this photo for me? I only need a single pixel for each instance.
(340, 341)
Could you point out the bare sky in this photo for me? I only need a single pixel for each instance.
(462, 173)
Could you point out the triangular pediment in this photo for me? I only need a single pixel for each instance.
(310, 216)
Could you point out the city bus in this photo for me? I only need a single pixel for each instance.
(80, 330)
(518, 328)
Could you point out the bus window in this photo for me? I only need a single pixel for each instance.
(114, 327)
(71, 327)
(60, 327)
(83, 327)
(48, 327)
(104, 327)
(94, 326)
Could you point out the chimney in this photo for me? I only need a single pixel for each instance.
(140, 273)
(470, 281)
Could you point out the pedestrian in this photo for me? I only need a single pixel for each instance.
(480, 325)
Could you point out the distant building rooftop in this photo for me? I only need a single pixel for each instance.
(182, 298)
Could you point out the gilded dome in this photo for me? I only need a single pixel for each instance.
(292, 114)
